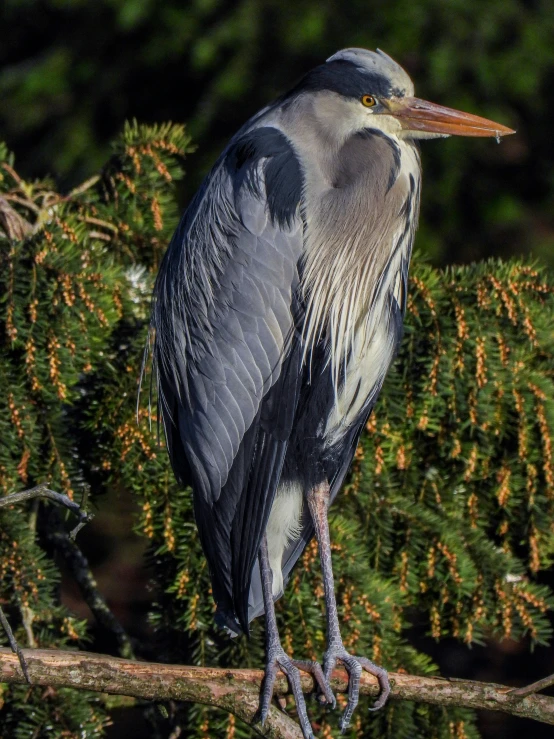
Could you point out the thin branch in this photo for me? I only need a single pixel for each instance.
(86, 185)
(237, 691)
(536, 687)
(16, 649)
(41, 491)
(11, 171)
(24, 202)
(99, 235)
(101, 223)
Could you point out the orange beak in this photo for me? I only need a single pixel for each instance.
(419, 115)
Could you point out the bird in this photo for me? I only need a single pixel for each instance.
(277, 311)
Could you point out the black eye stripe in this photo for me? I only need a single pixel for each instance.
(345, 78)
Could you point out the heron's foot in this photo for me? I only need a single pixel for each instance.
(277, 659)
(354, 667)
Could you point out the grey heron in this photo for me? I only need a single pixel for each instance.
(277, 312)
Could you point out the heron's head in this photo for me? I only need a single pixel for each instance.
(357, 89)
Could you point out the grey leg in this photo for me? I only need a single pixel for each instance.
(318, 503)
(277, 659)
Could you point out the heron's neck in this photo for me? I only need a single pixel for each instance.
(360, 221)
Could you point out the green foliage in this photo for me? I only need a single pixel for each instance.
(29, 583)
(447, 511)
(459, 453)
(68, 291)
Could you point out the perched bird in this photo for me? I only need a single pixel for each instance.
(277, 312)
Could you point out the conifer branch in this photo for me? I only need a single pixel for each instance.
(41, 491)
(74, 558)
(237, 691)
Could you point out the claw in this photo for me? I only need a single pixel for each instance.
(354, 667)
(278, 660)
(314, 669)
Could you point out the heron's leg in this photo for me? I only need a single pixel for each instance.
(277, 659)
(318, 503)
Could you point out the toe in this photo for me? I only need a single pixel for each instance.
(267, 690)
(354, 669)
(354, 666)
(314, 668)
(293, 674)
(279, 660)
(383, 678)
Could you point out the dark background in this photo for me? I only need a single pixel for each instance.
(72, 71)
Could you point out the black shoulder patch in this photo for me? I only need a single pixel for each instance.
(345, 78)
(283, 176)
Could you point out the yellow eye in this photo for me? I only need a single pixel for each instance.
(368, 100)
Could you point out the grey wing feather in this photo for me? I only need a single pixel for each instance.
(223, 316)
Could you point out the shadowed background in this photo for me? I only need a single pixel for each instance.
(72, 71)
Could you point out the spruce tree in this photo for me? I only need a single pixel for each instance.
(447, 511)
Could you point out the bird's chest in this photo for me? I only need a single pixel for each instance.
(358, 252)
(373, 346)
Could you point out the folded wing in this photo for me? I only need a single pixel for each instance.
(227, 352)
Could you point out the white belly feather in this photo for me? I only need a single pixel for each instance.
(367, 365)
(283, 526)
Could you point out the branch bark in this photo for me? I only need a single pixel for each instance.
(237, 691)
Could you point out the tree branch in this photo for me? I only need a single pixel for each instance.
(546, 682)
(42, 491)
(237, 691)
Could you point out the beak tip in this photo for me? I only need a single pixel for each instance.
(506, 131)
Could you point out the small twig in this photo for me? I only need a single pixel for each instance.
(99, 235)
(24, 202)
(86, 185)
(16, 649)
(27, 618)
(535, 687)
(41, 491)
(83, 507)
(101, 223)
(11, 171)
